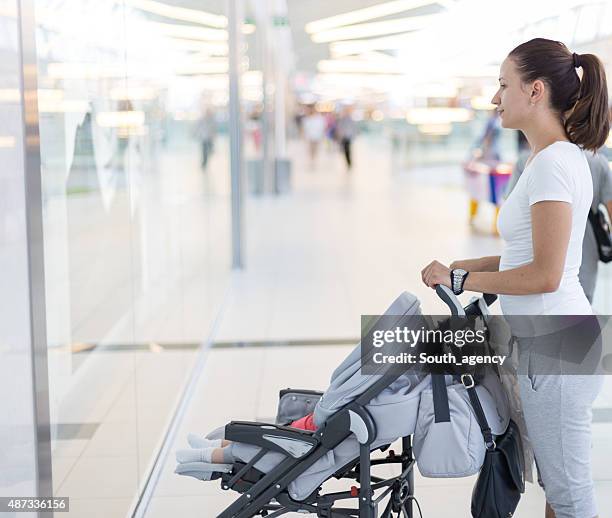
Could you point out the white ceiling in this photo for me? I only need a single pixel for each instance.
(300, 12)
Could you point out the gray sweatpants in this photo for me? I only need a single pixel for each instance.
(557, 409)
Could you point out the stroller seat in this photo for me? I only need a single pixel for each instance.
(281, 469)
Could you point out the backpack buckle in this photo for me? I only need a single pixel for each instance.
(468, 381)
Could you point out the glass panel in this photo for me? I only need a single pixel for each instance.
(136, 230)
(17, 440)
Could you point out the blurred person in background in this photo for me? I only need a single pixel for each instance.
(254, 127)
(331, 125)
(489, 142)
(313, 125)
(206, 130)
(346, 131)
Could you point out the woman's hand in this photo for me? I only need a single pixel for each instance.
(436, 273)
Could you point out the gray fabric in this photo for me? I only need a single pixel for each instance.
(202, 470)
(295, 405)
(602, 193)
(456, 448)
(399, 400)
(558, 415)
(503, 342)
(395, 412)
(347, 382)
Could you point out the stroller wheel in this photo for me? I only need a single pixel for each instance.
(400, 494)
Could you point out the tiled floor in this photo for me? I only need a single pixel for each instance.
(340, 245)
(103, 473)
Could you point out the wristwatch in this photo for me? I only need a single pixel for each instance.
(458, 277)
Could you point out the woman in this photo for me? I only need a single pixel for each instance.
(542, 223)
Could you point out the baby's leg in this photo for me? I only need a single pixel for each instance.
(196, 441)
(209, 455)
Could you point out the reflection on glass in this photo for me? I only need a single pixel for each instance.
(17, 439)
(136, 230)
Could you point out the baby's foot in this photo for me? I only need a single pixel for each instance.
(196, 441)
(195, 455)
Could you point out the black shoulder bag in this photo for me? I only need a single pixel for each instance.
(600, 223)
(500, 484)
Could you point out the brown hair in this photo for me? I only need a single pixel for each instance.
(581, 104)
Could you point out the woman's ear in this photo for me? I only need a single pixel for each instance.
(537, 91)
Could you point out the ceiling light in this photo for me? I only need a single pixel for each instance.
(129, 131)
(8, 11)
(358, 66)
(437, 115)
(366, 30)
(435, 129)
(348, 82)
(447, 89)
(362, 15)
(84, 70)
(248, 28)
(179, 13)
(133, 93)
(50, 94)
(343, 48)
(10, 95)
(377, 115)
(210, 67)
(120, 119)
(211, 48)
(380, 57)
(479, 102)
(7, 141)
(189, 31)
(63, 106)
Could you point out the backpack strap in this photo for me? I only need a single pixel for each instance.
(440, 398)
(470, 385)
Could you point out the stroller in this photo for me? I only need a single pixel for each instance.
(281, 469)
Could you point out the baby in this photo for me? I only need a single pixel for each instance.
(219, 451)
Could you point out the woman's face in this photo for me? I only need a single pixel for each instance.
(513, 99)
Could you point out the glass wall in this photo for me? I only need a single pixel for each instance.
(17, 430)
(136, 224)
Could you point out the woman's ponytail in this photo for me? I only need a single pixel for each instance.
(582, 105)
(588, 123)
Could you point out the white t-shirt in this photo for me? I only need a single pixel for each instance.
(559, 172)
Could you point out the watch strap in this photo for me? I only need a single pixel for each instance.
(457, 284)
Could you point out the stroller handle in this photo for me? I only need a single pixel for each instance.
(451, 300)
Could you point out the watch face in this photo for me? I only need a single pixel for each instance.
(458, 274)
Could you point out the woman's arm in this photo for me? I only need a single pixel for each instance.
(482, 264)
(551, 228)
